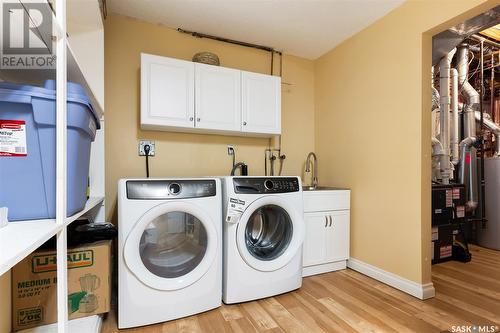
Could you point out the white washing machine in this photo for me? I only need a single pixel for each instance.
(263, 236)
(170, 249)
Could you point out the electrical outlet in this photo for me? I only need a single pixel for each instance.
(151, 144)
(230, 150)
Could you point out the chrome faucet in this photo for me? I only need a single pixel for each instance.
(315, 170)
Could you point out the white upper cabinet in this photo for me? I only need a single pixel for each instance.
(167, 93)
(217, 98)
(183, 96)
(261, 103)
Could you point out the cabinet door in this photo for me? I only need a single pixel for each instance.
(337, 243)
(217, 98)
(261, 103)
(314, 249)
(167, 92)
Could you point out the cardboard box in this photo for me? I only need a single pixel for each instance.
(34, 285)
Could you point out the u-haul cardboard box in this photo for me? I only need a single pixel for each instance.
(34, 285)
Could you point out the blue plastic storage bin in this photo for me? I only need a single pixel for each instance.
(28, 178)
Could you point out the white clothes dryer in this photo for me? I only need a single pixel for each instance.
(170, 249)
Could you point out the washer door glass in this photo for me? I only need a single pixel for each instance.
(268, 232)
(173, 244)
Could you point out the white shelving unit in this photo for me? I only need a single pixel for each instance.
(19, 239)
(78, 33)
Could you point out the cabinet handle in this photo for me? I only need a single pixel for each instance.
(198, 119)
(191, 118)
(326, 221)
(244, 123)
(331, 219)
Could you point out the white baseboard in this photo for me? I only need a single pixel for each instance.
(324, 268)
(421, 291)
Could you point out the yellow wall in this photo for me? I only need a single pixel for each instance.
(363, 107)
(373, 127)
(179, 154)
(5, 303)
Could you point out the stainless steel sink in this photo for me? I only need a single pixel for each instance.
(321, 188)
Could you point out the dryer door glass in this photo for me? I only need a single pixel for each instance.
(268, 232)
(173, 244)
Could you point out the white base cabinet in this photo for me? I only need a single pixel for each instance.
(327, 219)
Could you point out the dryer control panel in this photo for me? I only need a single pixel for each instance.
(170, 189)
(249, 185)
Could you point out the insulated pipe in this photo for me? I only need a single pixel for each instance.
(470, 94)
(493, 127)
(437, 151)
(444, 135)
(454, 128)
(468, 158)
(437, 147)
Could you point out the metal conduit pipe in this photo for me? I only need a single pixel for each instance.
(454, 126)
(435, 108)
(468, 159)
(470, 94)
(445, 101)
(493, 127)
(467, 173)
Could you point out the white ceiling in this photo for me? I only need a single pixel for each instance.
(305, 28)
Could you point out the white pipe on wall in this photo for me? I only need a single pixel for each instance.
(445, 101)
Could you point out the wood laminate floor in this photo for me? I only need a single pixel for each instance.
(347, 301)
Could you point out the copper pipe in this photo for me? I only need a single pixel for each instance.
(227, 40)
(484, 39)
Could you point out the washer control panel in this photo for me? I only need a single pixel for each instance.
(250, 185)
(170, 189)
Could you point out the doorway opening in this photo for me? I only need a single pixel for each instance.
(466, 157)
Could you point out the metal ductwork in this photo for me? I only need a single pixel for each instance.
(445, 41)
(468, 158)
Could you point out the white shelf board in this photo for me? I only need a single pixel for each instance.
(18, 239)
(75, 74)
(90, 324)
(91, 203)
